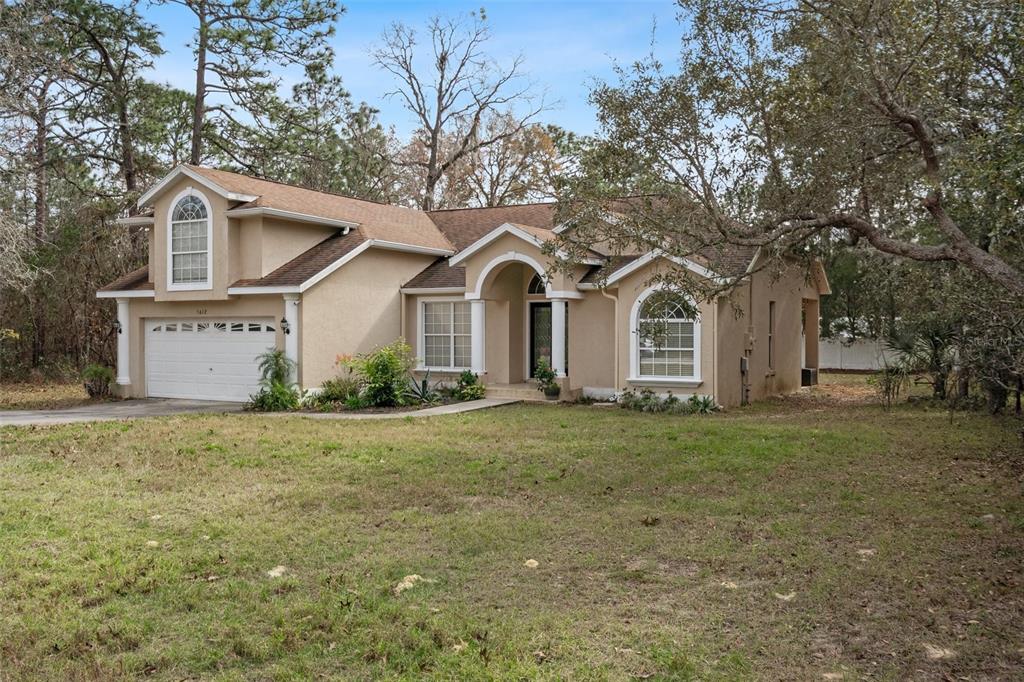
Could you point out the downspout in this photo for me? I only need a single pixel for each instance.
(615, 331)
(714, 347)
(401, 324)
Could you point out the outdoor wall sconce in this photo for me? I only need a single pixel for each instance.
(117, 326)
(285, 327)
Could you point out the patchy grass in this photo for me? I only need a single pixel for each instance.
(785, 541)
(41, 396)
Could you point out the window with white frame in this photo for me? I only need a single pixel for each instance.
(190, 248)
(667, 338)
(447, 334)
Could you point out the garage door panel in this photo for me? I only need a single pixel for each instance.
(205, 359)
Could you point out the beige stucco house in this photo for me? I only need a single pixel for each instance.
(239, 264)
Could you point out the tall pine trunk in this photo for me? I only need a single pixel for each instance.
(199, 112)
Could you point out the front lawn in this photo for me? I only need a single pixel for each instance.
(49, 395)
(810, 538)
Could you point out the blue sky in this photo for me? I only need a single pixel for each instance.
(565, 45)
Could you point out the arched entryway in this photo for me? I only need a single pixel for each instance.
(520, 317)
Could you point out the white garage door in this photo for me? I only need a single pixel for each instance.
(205, 359)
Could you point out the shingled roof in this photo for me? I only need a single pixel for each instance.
(449, 229)
(136, 280)
(463, 226)
(439, 275)
(376, 221)
(308, 263)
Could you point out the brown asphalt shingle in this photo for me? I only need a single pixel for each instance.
(376, 221)
(308, 263)
(463, 226)
(438, 275)
(452, 229)
(136, 280)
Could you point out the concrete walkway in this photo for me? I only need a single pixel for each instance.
(153, 407)
(454, 408)
(112, 411)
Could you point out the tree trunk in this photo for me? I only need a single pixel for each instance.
(199, 111)
(429, 187)
(127, 143)
(41, 190)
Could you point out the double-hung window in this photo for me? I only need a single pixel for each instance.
(189, 242)
(447, 334)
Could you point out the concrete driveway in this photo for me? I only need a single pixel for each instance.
(125, 409)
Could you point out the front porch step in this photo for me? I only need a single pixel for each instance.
(524, 391)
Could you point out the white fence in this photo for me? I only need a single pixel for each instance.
(862, 354)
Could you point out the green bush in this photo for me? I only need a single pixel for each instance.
(98, 379)
(335, 391)
(647, 400)
(469, 387)
(277, 391)
(384, 374)
(274, 397)
(421, 391)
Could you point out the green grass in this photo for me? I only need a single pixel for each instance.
(661, 543)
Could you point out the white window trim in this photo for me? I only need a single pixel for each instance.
(190, 286)
(421, 345)
(634, 345)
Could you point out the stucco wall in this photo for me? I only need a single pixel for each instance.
(245, 248)
(354, 310)
(281, 241)
(750, 329)
(219, 245)
(592, 342)
(503, 247)
(141, 310)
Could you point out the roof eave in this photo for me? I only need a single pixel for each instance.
(126, 293)
(147, 198)
(345, 225)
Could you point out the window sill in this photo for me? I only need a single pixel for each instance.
(197, 286)
(451, 370)
(692, 382)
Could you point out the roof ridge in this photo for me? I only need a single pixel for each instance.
(488, 208)
(304, 187)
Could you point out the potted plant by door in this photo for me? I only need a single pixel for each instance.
(546, 380)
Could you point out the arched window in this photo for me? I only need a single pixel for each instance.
(189, 242)
(667, 337)
(536, 286)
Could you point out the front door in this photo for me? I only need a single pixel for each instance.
(540, 335)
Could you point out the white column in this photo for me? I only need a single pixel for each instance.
(291, 339)
(123, 343)
(558, 315)
(477, 310)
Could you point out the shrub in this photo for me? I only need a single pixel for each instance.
(274, 397)
(421, 391)
(648, 401)
(702, 404)
(277, 391)
(889, 383)
(546, 379)
(469, 387)
(98, 379)
(384, 374)
(334, 391)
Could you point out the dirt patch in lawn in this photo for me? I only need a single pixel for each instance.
(41, 396)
